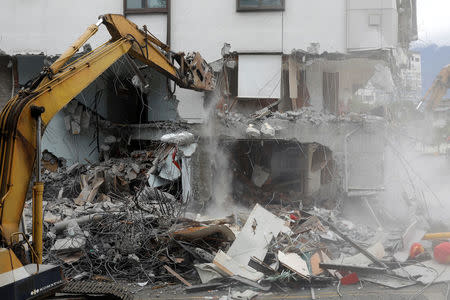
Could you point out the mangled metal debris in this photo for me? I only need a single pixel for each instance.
(128, 214)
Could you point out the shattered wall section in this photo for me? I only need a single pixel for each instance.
(353, 73)
(75, 148)
(72, 134)
(6, 79)
(303, 127)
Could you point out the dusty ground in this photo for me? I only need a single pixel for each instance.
(366, 292)
(434, 173)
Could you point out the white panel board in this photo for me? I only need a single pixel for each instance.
(259, 76)
(190, 106)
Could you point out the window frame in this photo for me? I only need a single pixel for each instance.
(239, 8)
(146, 10)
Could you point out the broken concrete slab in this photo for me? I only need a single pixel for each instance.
(208, 272)
(69, 244)
(360, 259)
(231, 267)
(251, 131)
(295, 263)
(259, 230)
(180, 138)
(267, 130)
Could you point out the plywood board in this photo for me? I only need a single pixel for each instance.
(259, 229)
(230, 267)
(295, 263)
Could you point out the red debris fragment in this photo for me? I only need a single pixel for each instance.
(351, 278)
(173, 159)
(294, 217)
(442, 253)
(415, 250)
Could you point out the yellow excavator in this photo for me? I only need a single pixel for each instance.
(430, 103)
(437, 90)
(24, 119)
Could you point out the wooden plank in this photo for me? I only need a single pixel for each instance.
(178, 276)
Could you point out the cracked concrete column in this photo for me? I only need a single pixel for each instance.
(310, 149)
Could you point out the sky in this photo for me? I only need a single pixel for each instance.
(433, 21)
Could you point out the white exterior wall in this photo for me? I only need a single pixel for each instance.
(50, 26)
(156, 24)
(365, 33)
(321, 21)
(208, 24)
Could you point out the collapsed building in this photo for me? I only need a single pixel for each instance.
(307, 118)
(297, 121)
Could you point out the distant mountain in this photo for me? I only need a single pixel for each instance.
(434, 58)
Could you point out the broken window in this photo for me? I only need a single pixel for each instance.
(273, 171)
(331, 92)
(252, 5)
(259, 76)
(295, 81)
(145, 6)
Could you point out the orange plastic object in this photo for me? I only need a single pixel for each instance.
(415, 250)
(351, 278)
(442, 253)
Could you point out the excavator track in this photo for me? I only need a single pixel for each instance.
(111, 290)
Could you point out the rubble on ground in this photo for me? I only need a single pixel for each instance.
(126, 219)
(105, 222)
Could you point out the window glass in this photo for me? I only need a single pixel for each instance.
(249, 3)
(271, 3)
(134, 3)
(156, 3)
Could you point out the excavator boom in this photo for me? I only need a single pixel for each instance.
(437, 90)
(49, 93)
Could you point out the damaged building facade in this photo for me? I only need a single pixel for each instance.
(289, 118)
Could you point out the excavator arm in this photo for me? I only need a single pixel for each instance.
(437, 90)
(55, 87)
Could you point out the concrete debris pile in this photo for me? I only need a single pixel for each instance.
(266, 123)
(126, 219)
(116, 214)
(308, 114)
(141, 234)
(265, 116)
